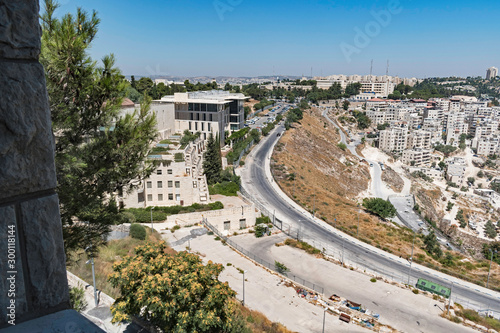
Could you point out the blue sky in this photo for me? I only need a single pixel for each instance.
(249, 38)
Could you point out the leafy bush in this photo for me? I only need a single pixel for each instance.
(260, 230)
(143, 215)
(445, 149)
(229, 189)
(342, 146)
(373, 280)
(380, 207)
(137, 231)
(281, 268)
(77, 299)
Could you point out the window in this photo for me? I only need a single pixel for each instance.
(178, 197)
(158, 172)
(149, 184)
(227, 225)
(190, 125)
(195, 184)
(177, 184)
(203, 124)
(160, 184)
(170, 196)
(160, 197)
(196, 126)
(170, 183)
(208, 126)
(433, 287)
(243, 223)
(169, 171)
(150, 197)
(188, 171)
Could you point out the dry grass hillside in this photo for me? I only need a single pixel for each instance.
(310, 167)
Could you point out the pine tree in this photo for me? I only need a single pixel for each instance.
(98, 152)
(212, 163)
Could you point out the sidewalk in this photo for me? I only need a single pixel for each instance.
(100, 315)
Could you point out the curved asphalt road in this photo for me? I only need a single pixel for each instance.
(365, 255)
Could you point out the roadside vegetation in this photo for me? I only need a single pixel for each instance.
(160, 214)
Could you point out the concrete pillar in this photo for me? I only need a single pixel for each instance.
(33, 279)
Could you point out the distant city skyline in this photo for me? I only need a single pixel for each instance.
(255, 38)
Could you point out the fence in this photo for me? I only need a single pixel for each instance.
(351, 260)
(243, 152)
(290, 275)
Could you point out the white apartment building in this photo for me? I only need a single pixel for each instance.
(455, 126)
(416, 157)
(394, 139)
(430, 172)
(456, 170)
(420, 139)
(207, 112)
(491, 73)
(487, 145)
(433, 126)
(173, 182)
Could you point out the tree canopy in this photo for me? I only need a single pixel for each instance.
(212, 163)
(99, 152)
(176, 293)
(380, 207)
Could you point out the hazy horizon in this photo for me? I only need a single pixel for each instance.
(247, 39)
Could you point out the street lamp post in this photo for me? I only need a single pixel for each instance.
(489, 270)
(324, 317)
(93, 272)
(411, 258)
(152, 220)
(243, 288)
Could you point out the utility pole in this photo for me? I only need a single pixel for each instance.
(243, 288)
(449, 301)
(314, 205)
(343, 241)
(489, 270)
(357, 229)
(411, 258)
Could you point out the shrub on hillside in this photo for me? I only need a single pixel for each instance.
(137, 231)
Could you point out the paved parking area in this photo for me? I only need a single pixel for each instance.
(264, 291)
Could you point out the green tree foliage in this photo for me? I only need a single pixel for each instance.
(445, 149)
(489, 230)
(432, 246)
(461, 219)
(383, 126)
(176, 293)
(144, 85)
(345, 105)
(137, 231)
(281, 268)
(188, 137)
(342, 146)
(462, 144)
(77, 299)
(449, 206)
(352, 89)
(294, 115)
(380, 207)
(495, 248)
(303, 105)
(212, 163)
(362, 119)
(480, 174)
(228, 185)
(442, 165)
(98, 151)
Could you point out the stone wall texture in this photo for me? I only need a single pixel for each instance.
(32, 260)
